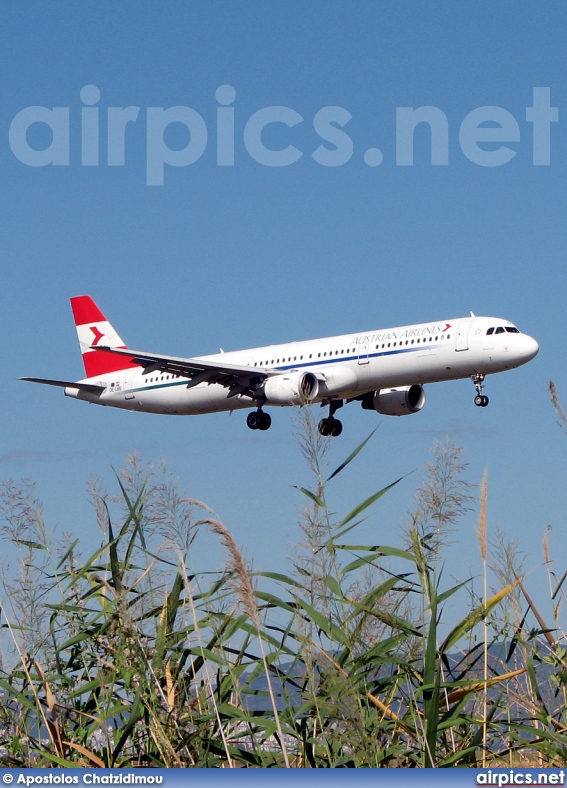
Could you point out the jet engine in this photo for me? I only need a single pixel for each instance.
(395, 402)
(295, 388)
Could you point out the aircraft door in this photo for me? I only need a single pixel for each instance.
(462, 338)
(363, 354)
(128, 394)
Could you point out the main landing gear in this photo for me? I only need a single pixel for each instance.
(480, 400)
(331, 427)
(258, 420)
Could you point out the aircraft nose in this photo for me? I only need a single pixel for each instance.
(530, 348)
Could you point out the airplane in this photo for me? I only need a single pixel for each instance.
(385, 369)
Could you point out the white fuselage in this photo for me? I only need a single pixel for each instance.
(347, 366)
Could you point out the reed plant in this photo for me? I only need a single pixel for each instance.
(132, 657)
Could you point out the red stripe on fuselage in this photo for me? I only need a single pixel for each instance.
(97, 363)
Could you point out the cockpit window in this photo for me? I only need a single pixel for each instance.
(499, 330)
(490, 330)
(512, 330)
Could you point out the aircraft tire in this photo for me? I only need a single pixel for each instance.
(265, 421)
(337, 428)
(253, 420)
(330, 427)
(323, 426)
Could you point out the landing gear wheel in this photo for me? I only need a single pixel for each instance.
(480, 400)
(253, 420)
(330, 427)
(337, 428)
(258, 420)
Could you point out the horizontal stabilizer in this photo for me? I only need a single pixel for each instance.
(65, 384)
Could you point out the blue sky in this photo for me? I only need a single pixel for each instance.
(247, 255)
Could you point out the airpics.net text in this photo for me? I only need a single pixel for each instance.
(41, 136)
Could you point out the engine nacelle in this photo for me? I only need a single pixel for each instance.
(396, 402)
(295, 388)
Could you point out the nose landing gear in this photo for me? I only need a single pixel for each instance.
(258, 420)
(481, 400)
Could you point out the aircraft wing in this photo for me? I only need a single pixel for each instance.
(239, 379)
(66, 384)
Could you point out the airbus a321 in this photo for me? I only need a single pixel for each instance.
(384, 370)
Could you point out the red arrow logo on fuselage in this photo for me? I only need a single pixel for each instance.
(447, 327)
(97, 335)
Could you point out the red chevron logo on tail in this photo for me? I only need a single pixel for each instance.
(97, 335)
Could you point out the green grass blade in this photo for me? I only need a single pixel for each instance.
(67, 554)
(319, 501)
(351, 456)
(368, 502)
(27, 543)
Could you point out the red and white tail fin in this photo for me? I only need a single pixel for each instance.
(94, 329)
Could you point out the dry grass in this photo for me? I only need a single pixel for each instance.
(138, 660)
